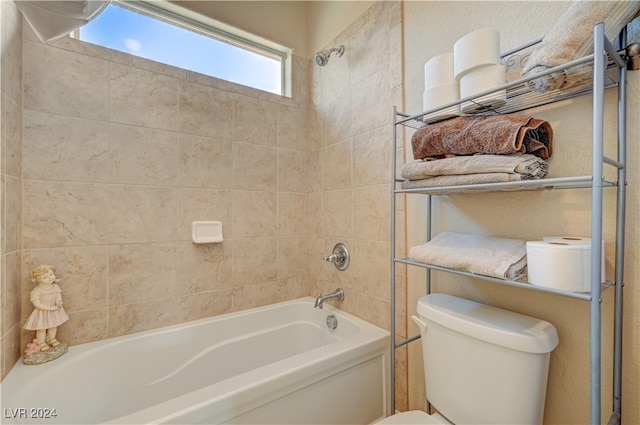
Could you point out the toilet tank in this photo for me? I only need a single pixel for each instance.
(484, 365)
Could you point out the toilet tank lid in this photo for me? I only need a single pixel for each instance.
(490, 324)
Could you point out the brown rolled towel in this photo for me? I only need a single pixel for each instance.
(491, 134)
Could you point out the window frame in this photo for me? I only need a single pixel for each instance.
(179, 16)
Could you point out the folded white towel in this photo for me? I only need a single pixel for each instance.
(572, 38)
(463, 179)
(533, 167)
(484, 255)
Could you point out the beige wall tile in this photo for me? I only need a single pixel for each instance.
(58, 147)
(314, 172)
(206, 111)
(336, 166)
(372, 157)
(12, 214)
(315, 212)
(142, 156)
(293, 256)
(255, 121)
(371, 213)
(373, 274)
(203, 205)
(261, 294)
(11, 293)
(369, 308)
(204, 267)
(83, 326)
(205, 162)
(142, 213)
(371, 102)
(65, 83)
(193, 307)
(3, 283)
(143, 98)
(293, 214)
(11, 350)
(10, 185)
(335, 115)
(12, 53)
(255, 167)
(292, 128)
(254, 260)
(370, 48)
(58, 214)
(293, 171)
(142, 272)
(131, 318)
(11, 137)
(395, 53)
(82, 272)
(254, 214)
(336, 213)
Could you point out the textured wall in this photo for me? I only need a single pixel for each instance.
(432, 28)
(10, 184)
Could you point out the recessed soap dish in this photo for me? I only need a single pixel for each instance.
(206, 231)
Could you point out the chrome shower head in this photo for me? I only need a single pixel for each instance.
(322, 57)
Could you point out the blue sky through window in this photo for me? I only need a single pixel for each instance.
(137, 34)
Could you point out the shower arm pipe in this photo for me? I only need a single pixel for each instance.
(339, 50)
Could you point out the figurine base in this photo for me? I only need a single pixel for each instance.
(40, 357)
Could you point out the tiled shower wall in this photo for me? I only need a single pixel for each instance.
(10, 184)
(350, 156)
(122, 154)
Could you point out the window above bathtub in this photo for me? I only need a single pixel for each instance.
(165, 32)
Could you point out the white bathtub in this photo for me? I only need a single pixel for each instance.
(274, 364)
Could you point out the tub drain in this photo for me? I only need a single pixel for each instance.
(332, 321)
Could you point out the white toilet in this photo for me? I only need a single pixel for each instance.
(482, 365)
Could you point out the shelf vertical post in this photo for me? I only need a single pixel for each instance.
(392, 299)
(599, 61)
(620, 229)
(429, 205)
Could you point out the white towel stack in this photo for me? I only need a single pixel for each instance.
(484, 255)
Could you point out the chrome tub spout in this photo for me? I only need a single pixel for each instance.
(337, 295)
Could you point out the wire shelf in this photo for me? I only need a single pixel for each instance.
(521, 93)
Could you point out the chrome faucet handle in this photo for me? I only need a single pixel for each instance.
(334, 258)
(339, 257)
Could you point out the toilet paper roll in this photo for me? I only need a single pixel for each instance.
(438, 71)
(437, 96)
(481, 79)
(481, 47)
(562, 263)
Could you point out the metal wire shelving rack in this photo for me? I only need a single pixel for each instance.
(602, 70)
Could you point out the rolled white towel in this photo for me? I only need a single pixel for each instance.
(484, 255)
